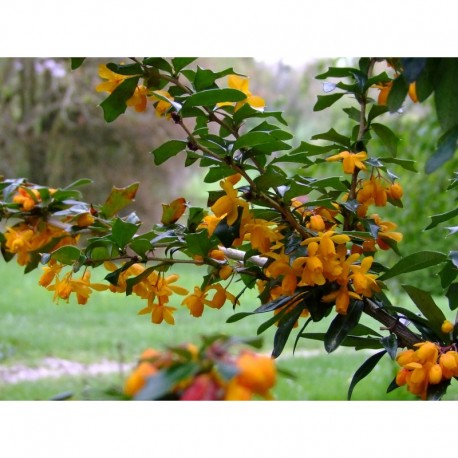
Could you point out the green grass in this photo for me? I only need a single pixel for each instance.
(32, 327)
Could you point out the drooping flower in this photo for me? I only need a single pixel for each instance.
(242, 84)
(162, 106)
(229, 204)
(350, 161)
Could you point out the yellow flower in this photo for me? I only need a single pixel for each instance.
(363, 282)
(262, 234)
(311, 266)
(327, 241)
(26, 200)
(242, 84)
(162, 107)
(113, 79)
(229, 204)
(197, 300)
(341, 298)
(138, 99)
(350, 161)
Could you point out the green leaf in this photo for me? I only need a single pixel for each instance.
(341, 325)
(387, 137)
(251, 139)
(123, 232)
(217, 173)
(211, 97)
(118, 199)
(115, 104)
(452, 296)
(440, 218)
(425, 303)
(67, 254)
(436, 392)
(336, 72)
(272, 178)
(159, 63)
(180, 62)
(413, 262)
(446, 148)
(199, 243)
(127, 70)
(239, 316)
(79, 183)
(76, 62)
(325, 101)
(285, 327)
(333, 136)
(140, 245)
(397, 94)
(390, 343)
(353, 113)
(412, 67)
(364, 370)
(406, 164)
(357, 342)
(447, 274)
(424, 86)
(375, 111)
(446, 93)
(168, 150)
(162, 382)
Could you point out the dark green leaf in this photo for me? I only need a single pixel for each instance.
(353, 113)
(407, 164)
(275, 304)
(447, 274)
(376, 110)
(333, 136)
(168, 150)
(199, 243)
(446, 93)
(312, 150)
(440, 218)
(115, 104)
(362, 330)
(217, 173)
(239, 316)
(397, 94)
(123, 232)
(118, 199)
(357, 342)
(272, 178)
(79, 183)
(271, 321)
(425, 303)
(392, 386)
(424, 85)
(446, 148)
(140, 245)
(436, 392)
(251, 139)
(181, 62)
(413, 262)
(364, 370)
(387, 137)
(412, 67)
(336, 72)
(452, 296)
(390, 343)
(211, 97)
(285, 327)
(341, 325)
(159, 63)
(127, 70)
(325, 101)
(76, 62)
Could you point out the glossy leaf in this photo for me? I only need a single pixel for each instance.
(397, 94)
(333, 136)
(452, 296)
(413, 67)
(180, 62)
(272, 178)
(118, 199)
(406, 164)
(341, 325)
(375, 111)
(115, 104)
(211, 97)
(168, 150)
(436, 392)
(76, 62)
(425, 303)
(364, 370)
(285, 327)
(325, 101)
(123, 232)
(413, 262)
(128, 70)
(440, 218)
(390, 343)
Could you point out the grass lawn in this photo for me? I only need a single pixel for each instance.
(32, 327)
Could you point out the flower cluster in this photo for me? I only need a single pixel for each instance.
(23, 239)
(141, 95)
(214, 373)
(428, 364)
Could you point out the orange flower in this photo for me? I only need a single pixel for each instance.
(242, 84)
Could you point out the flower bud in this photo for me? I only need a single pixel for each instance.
(428, 352)
(447, 327)
(435, 374)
